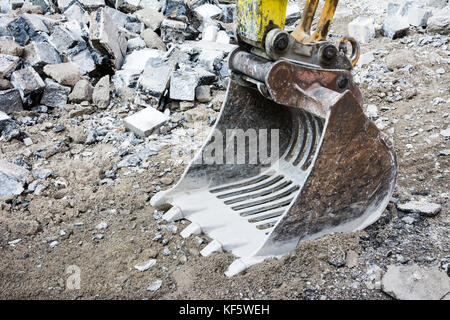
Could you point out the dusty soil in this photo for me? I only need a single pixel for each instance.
(69, 211)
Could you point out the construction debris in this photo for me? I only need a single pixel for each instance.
(422, 207)
(415, 283)
(144, 122)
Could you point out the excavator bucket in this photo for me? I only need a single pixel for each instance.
(291, 157)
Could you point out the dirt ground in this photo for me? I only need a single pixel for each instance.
(73, 204)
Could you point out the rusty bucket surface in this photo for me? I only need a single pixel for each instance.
(334, 170)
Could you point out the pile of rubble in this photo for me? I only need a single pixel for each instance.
(87, 52)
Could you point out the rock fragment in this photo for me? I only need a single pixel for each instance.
(10, 101)
(150, 17)
(144, 122)
(422, 207)
(155, 286)
(182, 85)
(203, 93)
(415, 283)
(12, 177)
(362, 29)
(7, 65)
(29, 84)
(10, 47)
(106, 37)
(100, 95)
(400, 58)
(145, 265)
(62, 39)
(155, 78)
(38, 54)
(440, 21)
(82, 91)
(64, 73)
(152, 40)
(54, 94)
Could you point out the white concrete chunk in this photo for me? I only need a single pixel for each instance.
(362, 29)
(145, 121)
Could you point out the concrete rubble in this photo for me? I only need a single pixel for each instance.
(415, 283)
(144, 122)
(13, 178)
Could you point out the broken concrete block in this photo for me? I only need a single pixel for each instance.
(82, 91)
(77, 13)
(9, 129)
(133, 66)
(418, 16)
(175, 8)
(182, 85)
(362, 29)
(204, 76)
(83, 61)
(136, 44)
(152, 40)
(414, 282)
(10, 101)
(100, 95)
(12, 177)
(203, 93)
(137, 60)
(134, 27)
(413, 13)
(208, 11)
(144, 122)
(64, 73)
(209, 58)
(35, 23)
(62, 39)
(11, 48)
(38, 54)
(77, 29)
(106, 38)
(394, 27)
(174, 31)
(422, 207)
(155, 78)
(21, 31)
(7, 65)
(119, 18)
(223, 37)
(29, 84)
(54, 94)
(210, 33)
(150, 17)
(440, 21)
